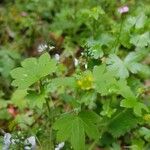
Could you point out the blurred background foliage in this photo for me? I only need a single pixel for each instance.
(88, 30)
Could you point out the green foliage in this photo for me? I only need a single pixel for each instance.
(18, 98)
(116, 65)
(141, 40)
(103, 80)
(85, 75)
(130, 63)
(137, 106)
(143, 131)
(7, 66)
(73, 127)
(122, 123)
(94, 49)
(107, 110)
(33, 70)
(68, 124)
(36, 100)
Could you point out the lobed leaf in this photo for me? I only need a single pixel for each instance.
(123, 122)
(32, 70)
(73, 127)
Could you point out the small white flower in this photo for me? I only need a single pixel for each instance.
(85, 66)
(76, 61)
(60, 146)
(51, 47)
(27, 148)
(57, 57)
(42, 47)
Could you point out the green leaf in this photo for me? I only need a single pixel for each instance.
(141, 40)
(63, 125)
(125, 39)
(24, 120)
(116, 65)
(6, 66)
(90, 120)
(128, 103)
(3, 102)
(137, 106)
(4, 114)
(94, 49)
(107, 109)
(131, 61)
(65, 82)
(73, 127)
(35, 99)
(122, 122)
(145, 71)
(138, 144)
(88, 98)
(96, 12)
(70, 128)
(140, 21)
(137, 21)
(125, 90)
(18, 98)
(104, 80)
(130, 100)
(143, 131)
(93, 13)
(129, 23)
(33, 70)
(78, 135)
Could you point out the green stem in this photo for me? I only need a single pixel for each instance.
(39, 143)
(93, 145)
(48, 106)
(118, 37)
(51, 116)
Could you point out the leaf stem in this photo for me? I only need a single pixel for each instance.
(118, 37)
(48, 106)
(93, 145)
(51, 119)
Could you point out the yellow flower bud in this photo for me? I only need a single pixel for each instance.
(86, 83)
(146, 117)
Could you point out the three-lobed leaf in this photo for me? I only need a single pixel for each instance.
(130, 63)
